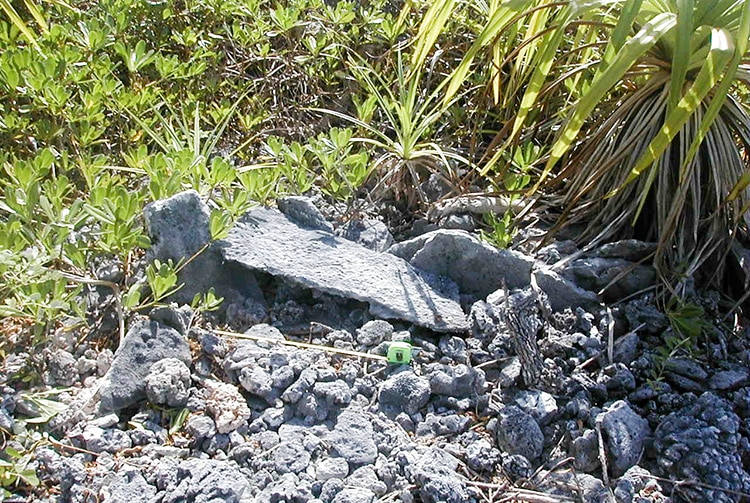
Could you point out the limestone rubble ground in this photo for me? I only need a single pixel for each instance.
(267, 422)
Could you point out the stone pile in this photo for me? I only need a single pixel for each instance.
(185, 413)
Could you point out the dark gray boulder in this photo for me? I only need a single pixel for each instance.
(572, 486)
(626, 348)
(459, 381)
(354, 495)
(62, 368)
(179, 229)
(365, 478)
(615, 278)
(109, 440)
(257, 381)
(69, 472)
(129, 486)
(686, 374)
(288, 487)
(442, 425)
(146, 343)
(335, 393)
(516, 466)
(404, 392)
(168, 383)
(632, 250)
(563, 293)
(302, 210)
(290, 457)
(625, 434)
(207, 480)
(482, 457)
(178, 226)
(372, 234)
(538, 404)
(638, 481)
(374, 332)
(518, 433)
(200, 427)
(304, 382)
(585, 450)
(331, 468)
(434, 471)
(178, 318)
(729, 379)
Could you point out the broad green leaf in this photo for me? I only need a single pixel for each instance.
(132, 297)
(29, 476)
(357, 122)
(46, 409)
(605, 80)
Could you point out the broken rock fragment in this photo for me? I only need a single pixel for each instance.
(352, 438)
(227, 405)
(146, 343)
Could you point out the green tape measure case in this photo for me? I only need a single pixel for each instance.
(399, 353)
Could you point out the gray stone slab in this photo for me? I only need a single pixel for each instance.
(268, 241)
(477, 268)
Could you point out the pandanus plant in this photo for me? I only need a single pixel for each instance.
(666, 150)
(651, 140)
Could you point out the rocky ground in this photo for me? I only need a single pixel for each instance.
(595, 405)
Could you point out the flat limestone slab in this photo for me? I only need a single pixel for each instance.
(266, 240)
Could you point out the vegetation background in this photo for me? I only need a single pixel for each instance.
(621, 118)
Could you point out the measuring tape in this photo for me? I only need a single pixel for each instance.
(398, 352)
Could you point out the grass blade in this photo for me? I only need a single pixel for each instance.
(543, 67)
(16, 20)
(37, 15)
(681, 56)
(197, 131)
(624, 23)
(495, 25)
(429, 30)
(720, 94)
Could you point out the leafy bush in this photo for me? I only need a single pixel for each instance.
(630, 109)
